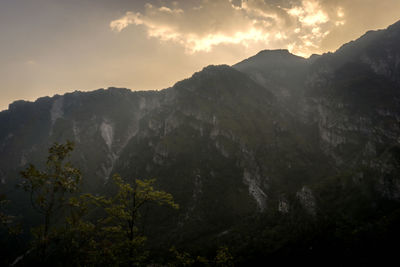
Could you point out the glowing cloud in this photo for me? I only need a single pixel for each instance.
(309, 13)
(299, 27)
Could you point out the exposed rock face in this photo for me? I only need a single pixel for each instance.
(283, 206)
(107, 132)
(57, 109)
(255, 189)
(307, 199)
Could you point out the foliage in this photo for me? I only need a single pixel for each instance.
(181, 258)
(5, 219)
(120, 238)
(75, 240)
(70, 230)
(223, 258)
(10, 230)
(48, 191)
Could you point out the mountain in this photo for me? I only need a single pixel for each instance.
(273, 156)
(279, 71)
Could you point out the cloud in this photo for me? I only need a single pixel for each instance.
(299, 26)
(171, 11)
(309, 13)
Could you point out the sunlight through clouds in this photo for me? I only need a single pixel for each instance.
(309, 13)
(300, 27)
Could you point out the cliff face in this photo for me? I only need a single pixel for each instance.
(101, 124)
(355, 95)
(264, 135)
(350, 96)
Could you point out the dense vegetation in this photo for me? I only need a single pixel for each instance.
(84, 229)
(352, 223)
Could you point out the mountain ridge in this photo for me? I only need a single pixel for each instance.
(266, 52)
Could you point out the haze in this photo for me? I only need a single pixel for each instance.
(55, 46)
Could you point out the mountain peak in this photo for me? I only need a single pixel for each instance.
(277, 54)
(274, 52)
(270, 58)
(219, 81)
(213, 68)
(212, 71)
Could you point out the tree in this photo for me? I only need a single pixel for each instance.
(5, 219)
(10, 229)
(70, 230)
(48, 190)
(76, 240)
(120, 229)
(223, 258)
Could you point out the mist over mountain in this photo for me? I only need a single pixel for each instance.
(274, 156)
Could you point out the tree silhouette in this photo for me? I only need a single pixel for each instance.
(48, 190)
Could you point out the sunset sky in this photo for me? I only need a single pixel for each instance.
(51, 47)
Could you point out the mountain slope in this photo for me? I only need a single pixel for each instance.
(280, 72)
(351, 96)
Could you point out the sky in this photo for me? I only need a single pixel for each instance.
(52, 47)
